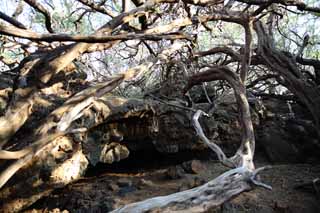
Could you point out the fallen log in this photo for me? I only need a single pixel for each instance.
(200, 199)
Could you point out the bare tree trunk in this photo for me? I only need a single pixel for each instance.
(244, 155)
(293, 79)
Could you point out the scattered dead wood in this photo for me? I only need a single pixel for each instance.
(229, 184)
(207, 196)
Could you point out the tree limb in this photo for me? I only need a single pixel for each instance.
(27, 34)
(12, 21)
(36, 5)
(98, 8)
(202, 198)
(299, 4)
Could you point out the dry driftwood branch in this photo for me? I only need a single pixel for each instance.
(28, 34)
(199, 199)
(51, 65)
(99, 90)
(76, 111)
(214, 147)
(204, 87)
(245, 153)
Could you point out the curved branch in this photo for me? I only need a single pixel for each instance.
(224, 49)
(44, 11)
(245, 153)
(13, 154)
(98, 8)
(297, 3)
(261, 78)
(214, 147)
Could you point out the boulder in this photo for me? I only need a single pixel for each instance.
(276, 143)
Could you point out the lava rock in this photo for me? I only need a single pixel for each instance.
(191, 182)
(196, 181)
(125, 190)
(124, 182)
(113, 187)
(175, 172)
(183, 187)
(143, 182)
(113, 152)
(193, 167)
(57, 210)
(276, 144)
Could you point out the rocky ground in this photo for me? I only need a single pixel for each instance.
(109, 187)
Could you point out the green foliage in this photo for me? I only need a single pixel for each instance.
(67, 20)
(316, 14)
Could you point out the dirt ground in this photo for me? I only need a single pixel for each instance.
(106, 188)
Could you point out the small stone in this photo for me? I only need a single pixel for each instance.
(113, 187)
(113, 152)
(145, 182)
(57, 210)
(193, 167)
(125, 190)
(183, 188)
(142, 183)
(124, 182)
(281, 206)
(195, 182)
(175, 172)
